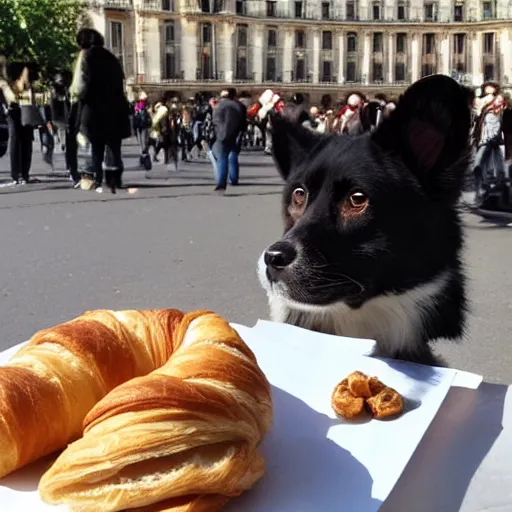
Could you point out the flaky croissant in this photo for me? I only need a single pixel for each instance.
(188, 433)
(50, 385)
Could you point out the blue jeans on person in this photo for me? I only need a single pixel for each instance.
(226, 156)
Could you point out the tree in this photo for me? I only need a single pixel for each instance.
(40, 30)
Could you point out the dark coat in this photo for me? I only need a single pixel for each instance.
(229, 120)
(103, 107)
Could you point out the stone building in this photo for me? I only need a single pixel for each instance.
(321, 47)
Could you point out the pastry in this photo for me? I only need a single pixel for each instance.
(352, 393)
(50, 385)
(386, 403)
(344, 403)
(183, 438)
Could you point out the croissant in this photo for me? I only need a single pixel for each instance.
(50, 385)
(187, 433)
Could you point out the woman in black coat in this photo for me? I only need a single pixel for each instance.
(103, 111)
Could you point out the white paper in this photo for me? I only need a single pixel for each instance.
(315, 462)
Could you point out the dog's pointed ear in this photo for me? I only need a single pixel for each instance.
(429, 129)
(291, 143)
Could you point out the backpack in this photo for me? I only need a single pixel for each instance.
(142, 119)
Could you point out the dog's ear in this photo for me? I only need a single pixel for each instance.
(291, 143)
(429, 129)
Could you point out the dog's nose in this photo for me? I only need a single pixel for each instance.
(279, 256)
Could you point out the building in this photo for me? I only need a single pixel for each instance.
(316, 46)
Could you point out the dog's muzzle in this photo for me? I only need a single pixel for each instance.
(275, 260)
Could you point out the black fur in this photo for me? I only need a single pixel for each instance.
(411, 169)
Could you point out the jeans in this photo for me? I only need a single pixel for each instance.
(143, 138)
(98, 154)
(226, 155)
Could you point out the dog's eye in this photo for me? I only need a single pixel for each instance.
(299, 197)
(358, 200)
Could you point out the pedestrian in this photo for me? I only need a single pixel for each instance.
(23, 116)
(230, 122)
(103, 110)
(142, 125)
(61, 114)
(488, 137)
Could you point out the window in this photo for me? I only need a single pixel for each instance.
(326, 71)
(242, 35)
(300, 69)
(489, 42)
(116, 40)
(458, 13)
(206, 70)
(240, 7)
(401, 40)
(351, 11)
(272, 38)
(167, 5)
(169, 32)
(271, 9)
(326, 40)
(206, 6)
(459, 42)
(326, 8)
(351, 42)
(401, 12)
(300, 39)
(400, 72)
(430, 12)
(298, 9)
(487, 10)
(429, 45)
(489, 72)
(376, 12)
(241, 68)
(270, 74)
(377, 73)
(116, 35)
(377, 42)
(206, 33)
(350, 75)
(170, 66)
(427, 70)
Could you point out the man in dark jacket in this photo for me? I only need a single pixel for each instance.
(103, 109)
(229, 121)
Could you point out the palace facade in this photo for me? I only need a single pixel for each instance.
(314, 46)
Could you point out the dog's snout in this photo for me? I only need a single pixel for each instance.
(279, 256)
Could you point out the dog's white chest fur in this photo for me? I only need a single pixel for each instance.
(395, 321)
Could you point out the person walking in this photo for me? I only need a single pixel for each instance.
(23, 116)
(230, 122)
(103, 112)
(142, 124)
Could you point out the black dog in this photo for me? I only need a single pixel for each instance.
(373, 240)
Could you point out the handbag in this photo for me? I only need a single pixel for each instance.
(31, 116)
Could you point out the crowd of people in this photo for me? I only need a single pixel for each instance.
(88, 107)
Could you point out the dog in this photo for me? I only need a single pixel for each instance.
(372, 236)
